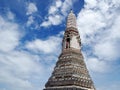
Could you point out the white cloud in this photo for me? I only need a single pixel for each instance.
(46, 46)
(52, 9)
(31, 11)
(45, 24)
(90, 3)
(46, 50)
(106, 51)
(10, 15)
(55, 7)
(57, 12)
(115, 28)
(9, 34)
(67, 4)
(55, 20)
(19, 69)
(97, 65)
(90, 21)
(15, 66)
(58, 3)
(99, 27)
(52, 19)
(30, 20)
(31, 8)
(11, 62)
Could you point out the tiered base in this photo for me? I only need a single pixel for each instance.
(65, 88)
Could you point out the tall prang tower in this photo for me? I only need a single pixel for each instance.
(70, 72)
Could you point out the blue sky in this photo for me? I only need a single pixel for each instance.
(31, 33)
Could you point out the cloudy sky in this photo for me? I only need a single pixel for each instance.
(31, 32)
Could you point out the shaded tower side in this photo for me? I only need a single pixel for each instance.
(70, 72)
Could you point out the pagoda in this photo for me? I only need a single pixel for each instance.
(70, 72)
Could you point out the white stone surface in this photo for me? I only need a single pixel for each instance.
(74, 43)
(71, 20)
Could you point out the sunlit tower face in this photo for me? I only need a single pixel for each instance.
(70, 72)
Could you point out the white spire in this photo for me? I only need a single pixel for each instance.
(71, 20)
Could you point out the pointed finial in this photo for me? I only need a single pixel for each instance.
(71, 20)
(71, 11)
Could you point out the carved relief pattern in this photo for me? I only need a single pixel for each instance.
(70, 72)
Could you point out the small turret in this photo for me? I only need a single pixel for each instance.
(71, 38)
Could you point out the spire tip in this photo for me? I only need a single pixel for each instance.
(71, 11)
